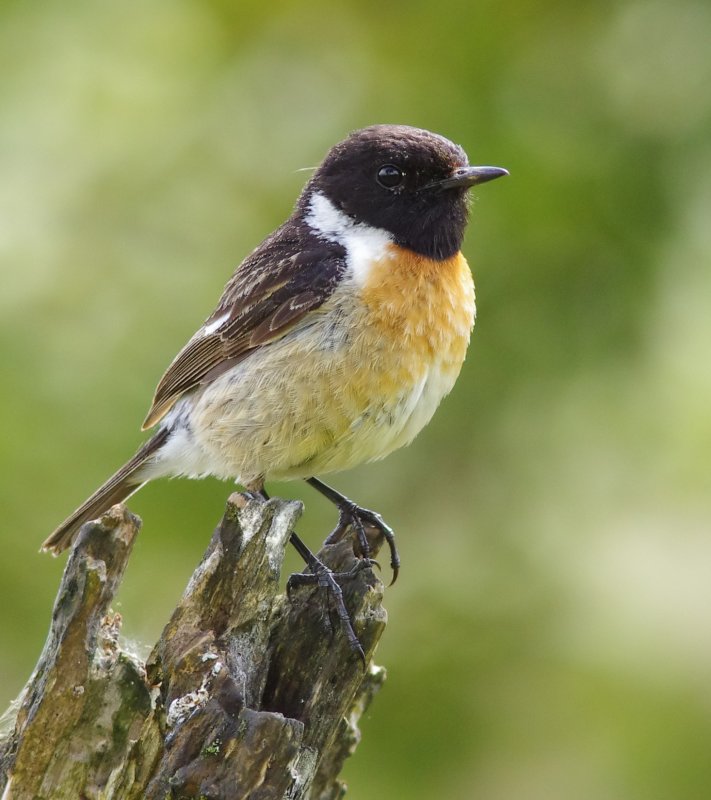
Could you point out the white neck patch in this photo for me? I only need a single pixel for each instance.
(364, 245)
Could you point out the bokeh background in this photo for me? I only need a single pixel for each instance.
(550, 636)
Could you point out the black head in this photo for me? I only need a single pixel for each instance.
(408, 181)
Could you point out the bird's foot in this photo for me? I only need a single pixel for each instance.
(352, 515)
(325, 578)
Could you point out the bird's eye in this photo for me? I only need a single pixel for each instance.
(389, 176)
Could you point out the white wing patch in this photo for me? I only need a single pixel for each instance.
(206, 330)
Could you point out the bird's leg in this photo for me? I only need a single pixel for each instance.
(351, 514)
(325, 578)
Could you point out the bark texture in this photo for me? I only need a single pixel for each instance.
(247, 694)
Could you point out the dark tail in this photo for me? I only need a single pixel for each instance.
(116, 489)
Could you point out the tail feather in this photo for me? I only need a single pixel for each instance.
(121, 485)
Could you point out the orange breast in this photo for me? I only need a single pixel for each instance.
(425, 305)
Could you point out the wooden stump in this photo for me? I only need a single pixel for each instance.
(247, 694)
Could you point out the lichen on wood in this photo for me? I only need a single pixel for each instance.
(247, 693)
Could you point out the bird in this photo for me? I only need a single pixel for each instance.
(333, 342)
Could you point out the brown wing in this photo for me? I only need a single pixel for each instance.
(290, 275)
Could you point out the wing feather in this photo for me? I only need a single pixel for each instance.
(289, 276)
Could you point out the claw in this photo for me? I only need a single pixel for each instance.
(353, 515)
(358, 518)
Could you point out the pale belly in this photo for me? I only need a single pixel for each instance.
(298, 411)
(390, 421)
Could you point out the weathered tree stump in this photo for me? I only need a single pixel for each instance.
(247, 694)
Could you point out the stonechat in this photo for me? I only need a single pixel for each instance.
(333, 342)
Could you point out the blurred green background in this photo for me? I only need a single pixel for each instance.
(550, 636)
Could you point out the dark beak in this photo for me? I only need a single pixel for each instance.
(469, 176)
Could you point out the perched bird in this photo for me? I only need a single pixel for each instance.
(333, 342)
